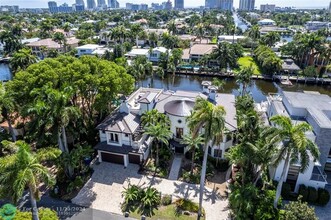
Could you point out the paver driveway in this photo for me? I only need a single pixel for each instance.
(103, 190)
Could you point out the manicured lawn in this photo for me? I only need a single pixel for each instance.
(165, 213)
(246, 62)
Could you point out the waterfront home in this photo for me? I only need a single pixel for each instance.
(122, 139)
(197, 51)
(266, 22)
(315, 109)
(91, 49)
(316, 25)
(40, 48)
(153, 54)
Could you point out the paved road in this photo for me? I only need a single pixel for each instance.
(94, 214)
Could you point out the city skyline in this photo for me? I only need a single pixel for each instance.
(187, 3)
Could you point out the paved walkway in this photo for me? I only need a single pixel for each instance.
(104, 190)
(175, 167)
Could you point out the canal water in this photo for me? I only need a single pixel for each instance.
(5, 74)
(259, 89)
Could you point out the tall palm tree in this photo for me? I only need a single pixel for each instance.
(150, 117)
(152, 38)
(22, 59)
(161, 134)
(60, 39)
(254, 34)
(295, 147)
(200, 31)
(171, 26)
(135, 30)
(210, 120)
(24, 170)
(244, 77)
(193, 143)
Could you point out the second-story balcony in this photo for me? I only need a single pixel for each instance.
(318, 175)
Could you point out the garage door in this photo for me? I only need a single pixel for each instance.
(134, 158)
(112, 158)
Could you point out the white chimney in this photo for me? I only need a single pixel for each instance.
(124, 107)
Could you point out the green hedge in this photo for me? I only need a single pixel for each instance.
(312, 195)
(286, 191)
(323, 197)
(303, 190)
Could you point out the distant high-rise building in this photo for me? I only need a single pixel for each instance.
(52, 6)
(179, 4)
(226, 5)
(212, 4)
(79, 8)
(101, 3)
(80, 2)
(113, 4)
(330, 7)
(168, 5)
(65, 8)
(267, 8)
(246, 5)
(90, 4)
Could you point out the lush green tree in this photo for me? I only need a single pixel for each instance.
(226, 55)
(254, 34)
(60, 39)
(310, 71)
(22, 59)
(23, 170)
(171, 26)
(295, 145)
(6, 106)
(298, 210)
(212, 119)
(152, 39)
(270, 38)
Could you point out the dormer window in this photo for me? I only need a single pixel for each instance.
(113, 137)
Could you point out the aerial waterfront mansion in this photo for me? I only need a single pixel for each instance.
(315, 109)
(123, 141)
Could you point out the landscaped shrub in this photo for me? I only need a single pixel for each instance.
(286, 191)
(151, 198)
(323, 197)
(7, 211)
(166, 200)
(44, 214)
(312, 194)
(221, 165)
(186, 205)
(303, 191)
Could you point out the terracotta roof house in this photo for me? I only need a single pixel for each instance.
(121, 135)
(197, 51)
(38, 46)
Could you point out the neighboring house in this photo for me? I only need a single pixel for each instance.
(316, 25)
(40, 47)
(91, 49)
(230, 38)
(121, 136)
(315, 109)
(154, 55)
(197, 51)
(266, 22)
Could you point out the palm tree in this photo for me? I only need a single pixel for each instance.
(211, 120)
(200, 31)
(22, 59)
(24, 169)
(161, 133)
(295, 145)
(193, 143)
(270, 38)
(254, 34)
(218, 83)
(150, 117)
(60, 39)
(152, 38)
(171, 26)
(135, 30)
(244, 77)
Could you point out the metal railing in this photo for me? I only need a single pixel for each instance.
(318, 175)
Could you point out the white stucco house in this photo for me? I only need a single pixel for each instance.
(315, 109)
(153, 54)
(91, 49)
(123, 141)
(266, 22)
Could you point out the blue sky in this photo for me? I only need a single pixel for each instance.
(295, 3)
